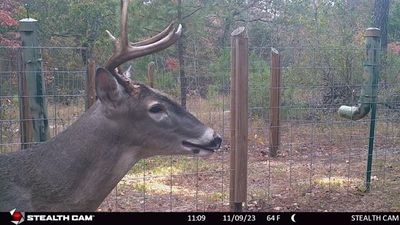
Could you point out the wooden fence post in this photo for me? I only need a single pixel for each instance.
(274, 103)
(90, 83)
(33, 103)
(239, 120)
(150, 74)
(232, 126)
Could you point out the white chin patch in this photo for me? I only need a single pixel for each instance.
(205, 138)
(198, 151)
(202, 152)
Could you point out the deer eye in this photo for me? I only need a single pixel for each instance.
(157, 108)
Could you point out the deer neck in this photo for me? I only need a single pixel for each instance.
(85, 170)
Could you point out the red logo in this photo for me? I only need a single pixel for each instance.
(17, 217)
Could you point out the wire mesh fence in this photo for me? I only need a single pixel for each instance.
(321, 164)
(180, 183)
(321, 161)
(64, 73)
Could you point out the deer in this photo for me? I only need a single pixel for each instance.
(130, 121)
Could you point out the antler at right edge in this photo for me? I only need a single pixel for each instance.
(125, 50)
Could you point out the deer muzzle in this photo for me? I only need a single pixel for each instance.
(209, 142)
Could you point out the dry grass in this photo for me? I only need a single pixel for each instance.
(60, 116)
(320, 167)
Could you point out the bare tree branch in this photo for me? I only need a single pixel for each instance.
(193, 12)
(253, 20)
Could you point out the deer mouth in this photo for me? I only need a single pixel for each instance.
(196, 148)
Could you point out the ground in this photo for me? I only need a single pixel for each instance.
(319, 168)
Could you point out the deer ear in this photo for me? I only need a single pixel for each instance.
(106, 86)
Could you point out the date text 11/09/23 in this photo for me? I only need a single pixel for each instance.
(232, 218)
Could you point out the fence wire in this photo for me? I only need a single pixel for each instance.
(64, 73)
(321, 162)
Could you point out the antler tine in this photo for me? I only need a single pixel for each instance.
(156, 37)
(111, 36)
(116, 43)
(124, 23)
(139, 51)
(125, 51)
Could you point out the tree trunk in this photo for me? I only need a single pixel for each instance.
(180, 47)
(380, 20)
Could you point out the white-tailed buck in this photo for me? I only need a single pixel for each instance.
(77, 169)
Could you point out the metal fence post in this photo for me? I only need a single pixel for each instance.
(373, 60)
(239, 119)
(33, 105)
(369, 92)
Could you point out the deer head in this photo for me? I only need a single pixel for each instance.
(77, 169)
(150, 118)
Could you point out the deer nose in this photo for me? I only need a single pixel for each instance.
(216, 142)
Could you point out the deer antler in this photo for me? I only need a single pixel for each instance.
(125, 50)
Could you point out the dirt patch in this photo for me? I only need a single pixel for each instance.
(317, 169)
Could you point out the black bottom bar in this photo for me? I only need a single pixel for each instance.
(200, 218)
